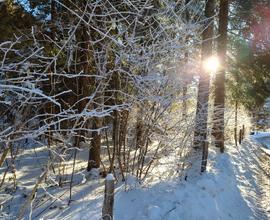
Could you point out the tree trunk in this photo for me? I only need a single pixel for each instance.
(4, 155)
(184, 114)
(94, 151)
(184, 90)
(204, 156)
(200, 133)
(94, 159)
(236, 122)
(123, 133)
(83, 83)
(88, 86)
(116, 124)
(219, 103)
(240, 136)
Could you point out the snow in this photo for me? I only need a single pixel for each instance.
(214, 195)
(230, 189)
(109, 177)
(264, 139)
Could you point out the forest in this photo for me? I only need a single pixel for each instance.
(135, 109)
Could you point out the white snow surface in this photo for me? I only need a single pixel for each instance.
(264, 139)
(110, 176)
(229, 190)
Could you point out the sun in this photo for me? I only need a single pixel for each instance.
(211, 64)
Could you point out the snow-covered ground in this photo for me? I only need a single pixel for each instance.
(229, 190)
(236, 186)
(264, 139)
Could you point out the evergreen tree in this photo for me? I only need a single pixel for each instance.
(219, 102)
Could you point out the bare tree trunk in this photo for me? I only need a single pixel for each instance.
(94, 151)
(200, 133)
(184, 114)
(204, 156)
(236, 122)
(219, 103)
(4, 155)
(51, 75)
(123, 133)
(116, 123)
(244, 131)
(240, 136)
(116, 143)
(138, 138)
(89, 84)
(53, 11)
(185, 89)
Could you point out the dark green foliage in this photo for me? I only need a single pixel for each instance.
(249, 80)
(14, 20)
(249, 66)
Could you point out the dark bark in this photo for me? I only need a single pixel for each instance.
(204, 156)
(240, 136)
(84, 83)
(116, 125)
(235, 122)
(53, 10)
(184, 114)
(94, 151)
(94, 159)
(187, 17)
(219, 103)
(200, 133)
(123, 133)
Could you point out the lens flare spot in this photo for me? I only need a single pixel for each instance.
(211, 64)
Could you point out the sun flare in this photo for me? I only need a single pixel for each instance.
(211, 64)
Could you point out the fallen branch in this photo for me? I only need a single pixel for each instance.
(32, 194)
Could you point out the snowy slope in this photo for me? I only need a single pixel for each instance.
(264, 139)
(229, 190)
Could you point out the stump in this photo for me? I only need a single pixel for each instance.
(107, 210)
